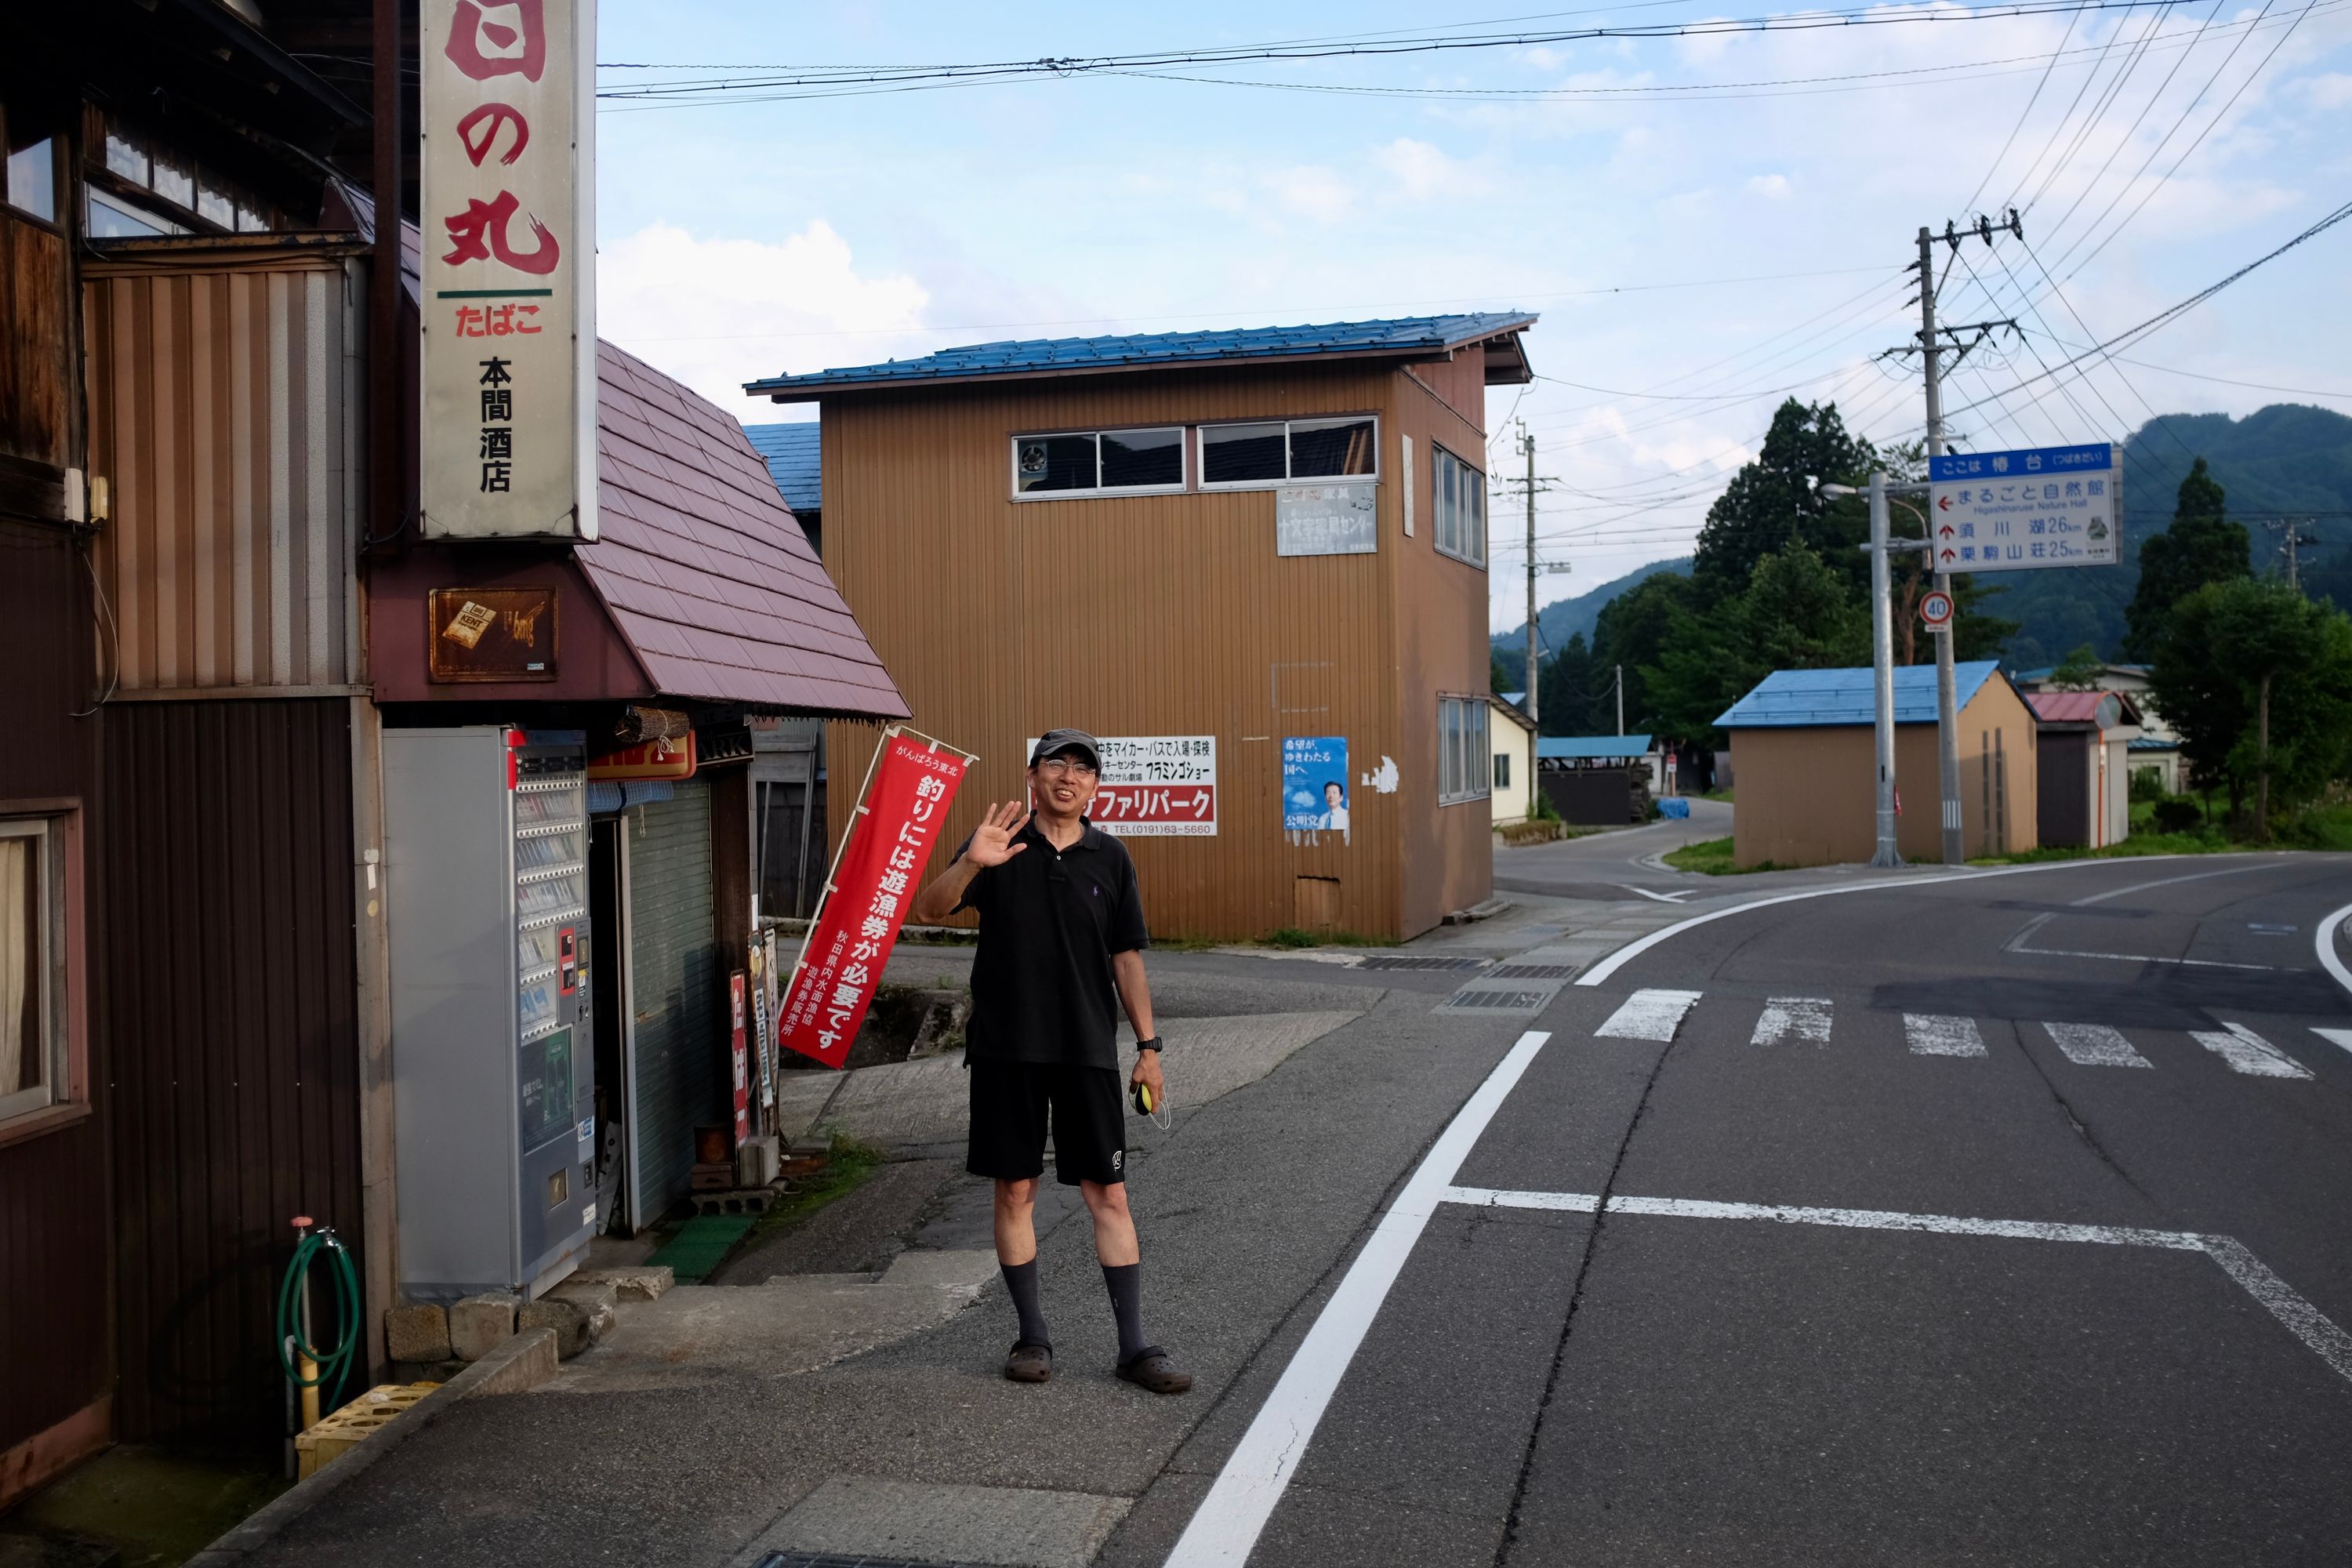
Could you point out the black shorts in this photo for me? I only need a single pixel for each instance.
(1010, 1105)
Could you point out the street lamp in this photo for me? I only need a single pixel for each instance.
(1882, 659)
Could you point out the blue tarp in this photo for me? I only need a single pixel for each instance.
(1676, 807)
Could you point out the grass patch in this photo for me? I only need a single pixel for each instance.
(2321, 828)
(847, 1162)
(1185, 944)
(1712, 856)
(1722, 794)
(1292, 936)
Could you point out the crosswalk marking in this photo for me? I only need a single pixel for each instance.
(2335, 1036)
(1806, 1017)
(2095, 1046)
(1936, 1035)
(2245, 1051)
(1648, 1015)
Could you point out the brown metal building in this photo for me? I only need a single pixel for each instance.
(1213, 550)
(1804, 743)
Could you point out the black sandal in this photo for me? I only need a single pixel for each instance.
(1152, 1370)
(1029, 1362)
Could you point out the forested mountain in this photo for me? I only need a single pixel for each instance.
(1564, 618)
(2286, 460)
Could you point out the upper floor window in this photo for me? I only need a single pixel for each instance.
(141, 185)
(30, 185)
(1461, 495)
(33, 1063)
(1098, 461)
(1278, 451)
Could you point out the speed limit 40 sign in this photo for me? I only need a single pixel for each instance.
(1935, 610)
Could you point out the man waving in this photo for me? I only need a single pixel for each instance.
(1061, 934)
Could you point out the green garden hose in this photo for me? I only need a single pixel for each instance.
(334, 1362)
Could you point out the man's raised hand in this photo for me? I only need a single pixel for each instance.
(993, 841)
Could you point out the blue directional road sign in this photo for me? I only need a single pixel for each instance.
(2042, 505)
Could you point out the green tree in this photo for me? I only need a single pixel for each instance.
(1497, 681)
(1566, 705)
(1795, 613)
(2079, 671)
(2201, 546)
(2257, 681)
(1776, 501)
(1634, 631)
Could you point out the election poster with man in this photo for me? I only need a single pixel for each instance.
(866, 900)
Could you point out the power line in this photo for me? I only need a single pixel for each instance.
(2023, 115)
(2164, 317)
(1068, 66)
(2125, 140)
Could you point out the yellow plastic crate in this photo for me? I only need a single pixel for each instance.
(347, 1428)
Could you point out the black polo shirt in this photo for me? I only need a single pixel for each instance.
(1050, 920)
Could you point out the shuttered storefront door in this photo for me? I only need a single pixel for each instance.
(677, 991)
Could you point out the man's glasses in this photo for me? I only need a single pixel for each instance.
(1055, 767)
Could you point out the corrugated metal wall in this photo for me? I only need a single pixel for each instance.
(53, 1353)
(676, 990)
(223, 413)
(227, 872)
(1170, 615)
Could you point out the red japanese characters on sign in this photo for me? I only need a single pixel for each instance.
(865, 903)
(1155, 786)
(508, 433)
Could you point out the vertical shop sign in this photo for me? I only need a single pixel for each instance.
(891, 836)
(1315, 787)
(738, 1043)
(508, 383)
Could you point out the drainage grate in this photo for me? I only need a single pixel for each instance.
(1401, 960)
(836, 1560)
(1535, 972)
(1474, 1000)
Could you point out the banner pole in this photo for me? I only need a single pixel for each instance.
(834, 871)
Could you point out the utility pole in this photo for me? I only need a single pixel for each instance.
(1931, 345)
(1535, 675)
(1882, 663)
(1621, 698)
(1948, 720)
(2294, 536)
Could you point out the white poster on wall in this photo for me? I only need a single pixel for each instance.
(508, 382)
(1325, 520)
(1154, 786)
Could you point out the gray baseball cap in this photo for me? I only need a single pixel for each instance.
(1054, 743)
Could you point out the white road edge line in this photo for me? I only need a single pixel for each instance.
(2318, 1332)
(2326, 944)
(1633, 950)
(1226, 1525)
(2335, 1036)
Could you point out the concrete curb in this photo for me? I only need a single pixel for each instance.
(524, 1362)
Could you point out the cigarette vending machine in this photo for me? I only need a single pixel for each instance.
(485, 848)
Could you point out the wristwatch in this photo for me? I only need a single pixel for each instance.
(1151, 1044)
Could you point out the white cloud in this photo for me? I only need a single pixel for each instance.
(1311, 191)
(1772, 186)
(1420, 168)
(716, 313)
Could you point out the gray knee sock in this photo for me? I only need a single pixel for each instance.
(1126, 1284)
(1020, 1281)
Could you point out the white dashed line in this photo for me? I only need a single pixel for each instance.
(1935, 1035)
(1806, 1017)
(1648, 1015)
(2095, 1046)
(2249, 1053)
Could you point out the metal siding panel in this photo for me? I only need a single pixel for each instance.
(676, 990)
(53, 1221)
(281, 483)
(234, 1024)
(244, 552)
(1160, 615)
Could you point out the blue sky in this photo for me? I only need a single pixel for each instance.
(1703, 222)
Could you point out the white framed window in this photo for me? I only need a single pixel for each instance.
(1261, 453)
(1091, 462)
(35, 1064)
(1462, 754)
(1461, 507)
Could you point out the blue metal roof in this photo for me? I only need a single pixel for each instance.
(1043, 356)
(1791, 699)
(790, 453)
(1590, 748)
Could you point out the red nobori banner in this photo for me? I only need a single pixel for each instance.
(866, 900)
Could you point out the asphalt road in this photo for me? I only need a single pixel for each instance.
(1940, 1220)
(2124, 1051)
(1614, 865)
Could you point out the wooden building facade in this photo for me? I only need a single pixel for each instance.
(1271, 543)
